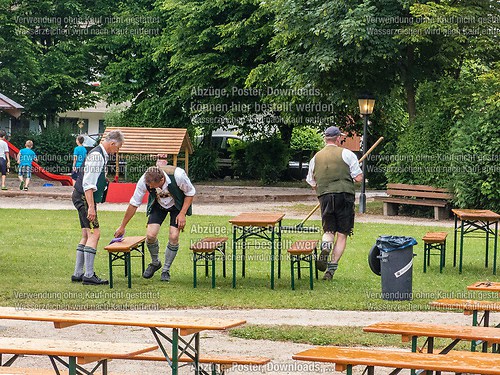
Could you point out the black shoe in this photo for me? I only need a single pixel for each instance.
(76, 279)
(328, 275)
(150, 271)
(322, 261)
(94, 280)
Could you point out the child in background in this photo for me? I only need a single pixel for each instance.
(79, 154)
(25, 159)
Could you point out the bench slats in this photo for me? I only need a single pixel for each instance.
(85, 351)
(490, 334)
(418, 194)
(415, 202)
(417, 187)
(458, 362)
(35, 371)
(216, 359)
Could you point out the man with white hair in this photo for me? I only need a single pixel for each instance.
(332, 172)
(90, 188)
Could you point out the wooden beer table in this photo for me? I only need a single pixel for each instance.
(471, 221)
(180, 326)
(267, 227)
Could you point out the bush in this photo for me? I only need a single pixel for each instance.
(54, 148)
(203, 164)
(306, 138)
(266, 159)
(453, 142)
(476, 145)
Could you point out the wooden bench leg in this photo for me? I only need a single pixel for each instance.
(425, 257)
(110, 260)
(212, 256)
(311, 281)
(292, 274)
(128, 267)
(194, 269)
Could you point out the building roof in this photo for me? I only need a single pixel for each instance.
(153, 141)
(10, 106)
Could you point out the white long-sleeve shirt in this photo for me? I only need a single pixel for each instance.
(348, 157)
(163, 197)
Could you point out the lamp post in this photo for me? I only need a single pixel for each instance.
(366, 104)
(80, 124)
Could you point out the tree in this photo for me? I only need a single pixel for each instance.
(49, 47)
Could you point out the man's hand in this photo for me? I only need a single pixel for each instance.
(91, 215)
(119, 232)
(181, 221)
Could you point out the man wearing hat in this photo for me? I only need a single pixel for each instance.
(332, 173)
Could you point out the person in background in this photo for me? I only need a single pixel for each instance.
(90, 188)
(4, 157)
(79, 154)
(25, 159)
(332, 173)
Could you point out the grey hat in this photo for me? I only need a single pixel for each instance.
(332, 131)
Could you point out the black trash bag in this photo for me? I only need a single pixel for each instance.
(374, 260)
(391, 243)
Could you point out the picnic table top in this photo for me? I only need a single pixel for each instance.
(466, 304)
(408, 329)
(458, 362)
(63, 319)
(257, 219)
(85, 351)
(472, 214)
(487, 286)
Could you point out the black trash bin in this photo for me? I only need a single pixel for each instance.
(396, 267)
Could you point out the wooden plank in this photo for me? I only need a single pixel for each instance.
(408, 329)
(120, 319)
(417, 187)
(256, 219)
(459, 362)
(126, 244)
(486, 286)
(74, 348)
(303, 247)
(435, 237)
(413, 202)
(470, 214)
(419, 194)
(217, 359)
(466, 304)
(35, 371)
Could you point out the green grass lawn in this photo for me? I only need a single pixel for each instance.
(38, 251)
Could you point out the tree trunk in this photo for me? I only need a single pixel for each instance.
(409, 84)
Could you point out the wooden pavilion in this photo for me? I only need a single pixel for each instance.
(172, 143)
